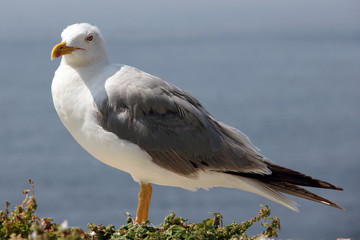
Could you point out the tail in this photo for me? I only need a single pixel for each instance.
(286, 180)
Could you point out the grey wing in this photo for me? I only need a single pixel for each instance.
(175, 130)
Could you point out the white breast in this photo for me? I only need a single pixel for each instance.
(75, 106)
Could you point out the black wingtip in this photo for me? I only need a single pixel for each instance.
(338, 188)
(289, 181)
(333, 205)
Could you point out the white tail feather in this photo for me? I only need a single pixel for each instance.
(217, 179)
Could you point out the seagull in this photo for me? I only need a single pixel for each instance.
(156, 132)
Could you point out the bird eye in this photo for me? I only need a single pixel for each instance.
(89, 38)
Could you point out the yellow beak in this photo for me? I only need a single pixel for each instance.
(61, 49)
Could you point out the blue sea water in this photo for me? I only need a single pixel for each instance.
(294, 92)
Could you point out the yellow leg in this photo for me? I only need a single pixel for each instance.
(142, 212)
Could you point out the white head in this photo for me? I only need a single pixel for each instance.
(82, 44)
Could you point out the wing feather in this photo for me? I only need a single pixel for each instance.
(173, 127)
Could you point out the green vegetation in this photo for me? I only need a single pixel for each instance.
(23, 223)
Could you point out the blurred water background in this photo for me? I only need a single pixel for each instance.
(286, 73)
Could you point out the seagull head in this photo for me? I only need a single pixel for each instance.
(81, 45)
